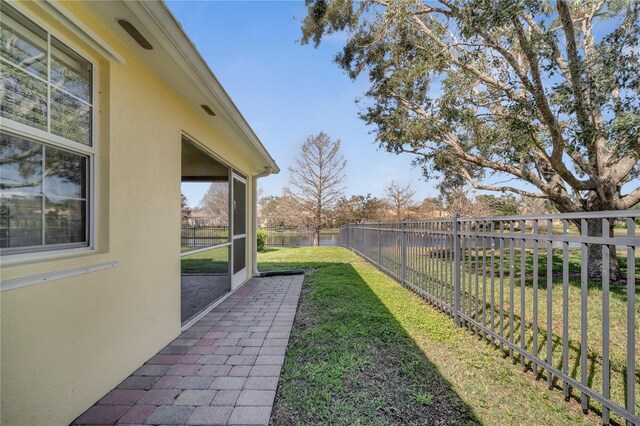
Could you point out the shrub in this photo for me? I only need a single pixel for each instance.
(262, 238)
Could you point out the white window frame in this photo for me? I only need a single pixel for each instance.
(50, 139)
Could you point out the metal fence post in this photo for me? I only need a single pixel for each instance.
(403, 256)
(378, 244)
(364, 240)
(631, 328)
(348, 232)
(456, 270)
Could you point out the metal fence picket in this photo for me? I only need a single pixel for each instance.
(443, 261)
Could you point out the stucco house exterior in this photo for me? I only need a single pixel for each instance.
(106, 109)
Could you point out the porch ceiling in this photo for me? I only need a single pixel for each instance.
(197, 166)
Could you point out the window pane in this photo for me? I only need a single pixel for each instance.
(69, 71)
(65, 174)
(70, 118)
(22, 42)
(65, 221)
(65, 190)
(23, 98)
(20, 165)
(20, 220)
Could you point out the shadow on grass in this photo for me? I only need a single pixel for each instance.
(269, 249)
(203, 266)
(212, 261)
(350, 361)
(487, 312)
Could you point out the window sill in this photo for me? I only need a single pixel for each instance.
(44, 256)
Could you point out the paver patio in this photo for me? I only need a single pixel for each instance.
(222, 370)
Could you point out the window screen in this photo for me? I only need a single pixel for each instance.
(239, 254)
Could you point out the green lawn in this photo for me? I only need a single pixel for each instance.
(473, 300)
(213, 261)
(364, 350)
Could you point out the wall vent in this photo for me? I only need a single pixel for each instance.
(134, 33)
(208, 110)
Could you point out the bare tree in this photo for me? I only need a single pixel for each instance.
(399, 198)
(316, 180)
(531, 206)
(215, 203)
(459, 201)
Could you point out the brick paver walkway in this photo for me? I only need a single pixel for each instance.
(222, 370)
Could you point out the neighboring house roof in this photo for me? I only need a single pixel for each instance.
(175, 58)
(198, 213)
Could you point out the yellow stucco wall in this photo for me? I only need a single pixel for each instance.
(65, 343)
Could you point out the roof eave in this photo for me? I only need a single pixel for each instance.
(166, 22)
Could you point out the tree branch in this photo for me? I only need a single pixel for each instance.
(574, 62)
(488, 80)
(630, 200)
(477, 185)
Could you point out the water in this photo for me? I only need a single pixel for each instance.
(295, 238)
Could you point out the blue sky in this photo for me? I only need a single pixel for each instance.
(287, 91)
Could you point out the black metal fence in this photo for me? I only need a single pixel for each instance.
(201, 235)
(523, 284)
(300, 236)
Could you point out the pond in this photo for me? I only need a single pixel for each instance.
(300, 237)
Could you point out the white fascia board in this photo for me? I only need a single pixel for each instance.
(160, 21)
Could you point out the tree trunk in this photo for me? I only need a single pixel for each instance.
(594, 257)
(316, 237)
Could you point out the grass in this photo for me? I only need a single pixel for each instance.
(364, 350)
(478, 305)
(212, 261)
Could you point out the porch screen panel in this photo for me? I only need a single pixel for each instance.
(208, 225)
(205, 278)
(239, 225)
(239, 198)
(239, 252)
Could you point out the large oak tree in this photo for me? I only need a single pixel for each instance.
(543, 92)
